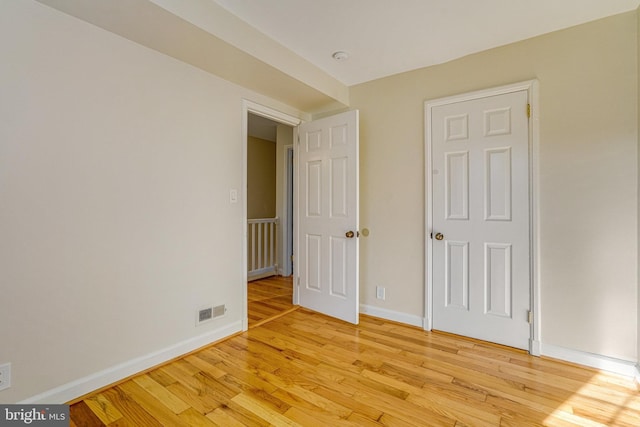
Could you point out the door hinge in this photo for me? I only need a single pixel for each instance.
(291, 258)
(298, 281)
(298, 139)
(529, 110)
(530, 316)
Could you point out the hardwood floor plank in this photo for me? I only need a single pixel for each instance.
(258, 407)
(200, 400)
(161, 378)
(243, 415)
(301, 397)
(212, 369)
(401, 409)
(221, 418)
(306, 417)
(195, 418)
(346, 399)
(103, 408)
(131, 412)
(161, 393)
(83, 416)
(477, 414)
(160, 411)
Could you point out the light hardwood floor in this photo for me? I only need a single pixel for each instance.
(308, 369)
(269, 297)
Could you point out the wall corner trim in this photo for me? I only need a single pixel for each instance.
(82, 386)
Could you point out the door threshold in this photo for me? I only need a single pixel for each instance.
(277, 316)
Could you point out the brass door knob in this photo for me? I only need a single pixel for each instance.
(439, 236)
(349, 234)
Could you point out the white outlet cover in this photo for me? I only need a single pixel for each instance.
(5, 376)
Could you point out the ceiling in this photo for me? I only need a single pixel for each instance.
(385, 37)
(261, 127)
(282, 48)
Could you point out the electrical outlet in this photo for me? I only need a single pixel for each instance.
(380, 292)
(5, 376)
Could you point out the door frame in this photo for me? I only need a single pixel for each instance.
(285, 119)
(287, 218)
(531, 86)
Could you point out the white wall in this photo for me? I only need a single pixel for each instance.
(115, 223)
(588, 178)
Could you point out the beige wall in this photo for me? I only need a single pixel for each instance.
(261, 178)
(588, 178)
(115, 223)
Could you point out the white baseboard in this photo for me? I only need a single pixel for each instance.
(395, 316)
(82, 386)
(598, 361)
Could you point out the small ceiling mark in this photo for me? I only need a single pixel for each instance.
(340, 55)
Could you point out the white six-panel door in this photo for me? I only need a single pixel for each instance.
(327, 220)
(480, 218)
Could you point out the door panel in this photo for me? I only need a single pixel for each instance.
(328, 195)
(498, 184)
(498, 286)
(457, 274)
(313, 183)
(313, 252)
(480, 195)
(456, 186)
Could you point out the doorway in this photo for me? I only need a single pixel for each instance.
(268, 212)
(325, 205)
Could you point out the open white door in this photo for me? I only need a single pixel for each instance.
(327, 216)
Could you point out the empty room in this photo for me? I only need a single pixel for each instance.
(220, 212)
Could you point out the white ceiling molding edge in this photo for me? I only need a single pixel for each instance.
(216, 20)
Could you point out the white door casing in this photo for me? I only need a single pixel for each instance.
(479, 278)
(327, 216)
(285, 119)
